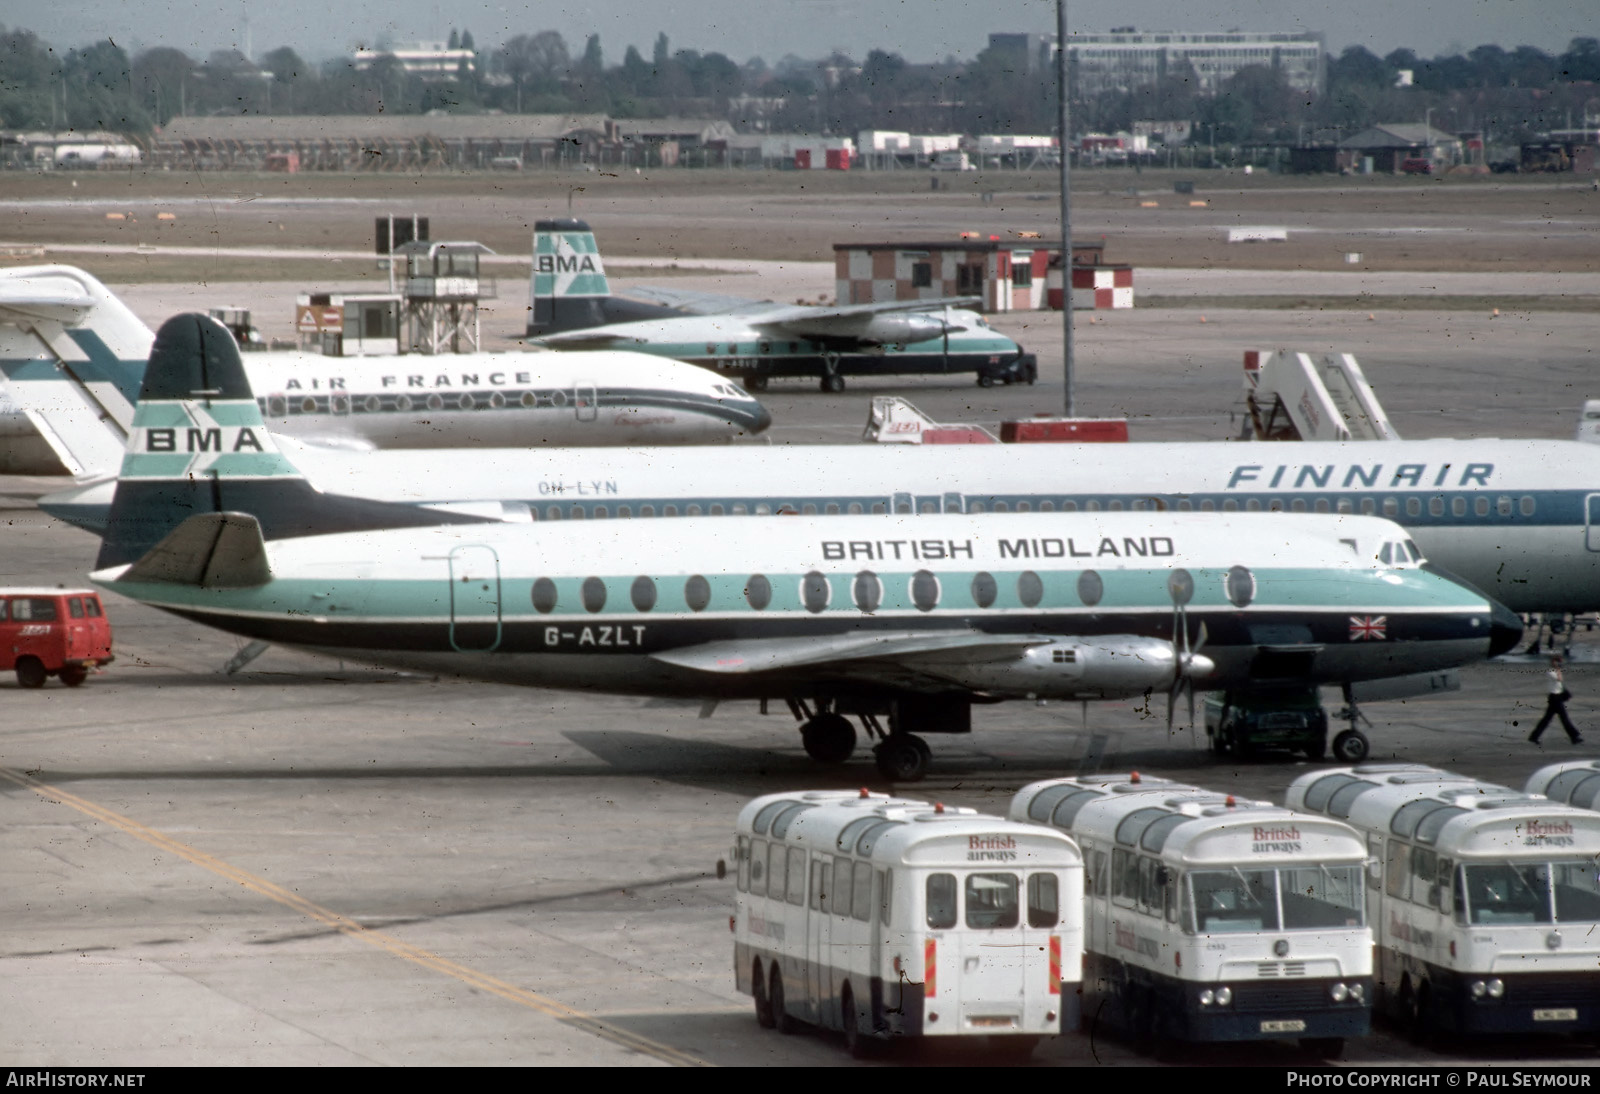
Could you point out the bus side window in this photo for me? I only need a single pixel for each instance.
(776, 872)
(861, 902)
(885, 895)
(797, 875)
(1445, 871)
(941, 894)
(1398, 873)
(1169, 892)
(741, 857)
(1044, 900)
(1423, 866)
(1375, 859)
(1460, 911)
(842, 889)
(92, 607)
(819, 885)
(75, 607)
(758, 867)
(1149, 894)
(1100, 874)
(1185, 905)
(1125, 875)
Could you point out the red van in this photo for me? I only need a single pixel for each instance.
(53, 632)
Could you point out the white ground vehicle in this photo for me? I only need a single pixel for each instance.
(1210, 918)
(1576, 782)
(1484, 900)
(885, 917)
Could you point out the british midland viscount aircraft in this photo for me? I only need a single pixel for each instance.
(572, 308)
(869, 615)
(59, 324)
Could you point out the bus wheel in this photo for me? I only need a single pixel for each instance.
(829, 738)
(854, 1043)
(903, 757)
(1324, 1048)
(73, 675)
(782, 1020)
(1351, 746)
(758, 988)
(30, 672)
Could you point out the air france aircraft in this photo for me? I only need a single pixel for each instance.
(572, 308)
(868, 615)
(57, 321)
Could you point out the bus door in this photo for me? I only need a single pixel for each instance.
(1591, 522)
(474, 598)
(993, 951)
(819, 935)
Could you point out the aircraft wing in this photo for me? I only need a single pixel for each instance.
(58, 300)
(694, 301)
(883, 656)
(797, 315)
(592, 338)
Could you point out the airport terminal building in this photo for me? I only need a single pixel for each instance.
(1126, 59)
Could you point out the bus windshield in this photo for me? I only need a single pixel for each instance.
(1298, 898)
(1529, 892)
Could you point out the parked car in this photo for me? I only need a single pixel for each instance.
(53, 632)
(1292, 719)
(1417, 165)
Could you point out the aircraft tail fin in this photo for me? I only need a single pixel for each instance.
(211, 550)
(198, 445)
(569, 286)
(72, 355)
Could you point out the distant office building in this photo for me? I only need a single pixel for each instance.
(1126, 58)
(430, 60)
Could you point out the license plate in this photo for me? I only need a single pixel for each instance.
(1556, 1014)
(1288, 1025)
(1001, 1021)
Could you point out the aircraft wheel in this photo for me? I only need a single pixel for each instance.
(985, 380)
(755, 383)
(30, 672)
(1351, 746)
(903, 757)
(832, 383)
(73, 675)
(829, 738)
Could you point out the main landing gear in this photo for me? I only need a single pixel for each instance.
(1351, 746)
(832, 382)
(829, 738)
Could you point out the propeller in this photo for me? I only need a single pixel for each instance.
(1187, 661)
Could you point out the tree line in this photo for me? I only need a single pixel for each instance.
(1510, 93)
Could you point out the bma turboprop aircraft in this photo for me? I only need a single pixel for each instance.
(572, 308)
(59, 323)
(867, 615)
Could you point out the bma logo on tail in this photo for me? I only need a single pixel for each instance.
(179, 440)
(567, 264)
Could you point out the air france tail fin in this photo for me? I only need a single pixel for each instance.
(72, 355)
(198, 445)
(569, 287)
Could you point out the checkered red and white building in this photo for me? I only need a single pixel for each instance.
(1006, 275)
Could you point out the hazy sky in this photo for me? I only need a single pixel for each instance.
(921, 30)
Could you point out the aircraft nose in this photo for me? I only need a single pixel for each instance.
(755, 419)
(1505, 629)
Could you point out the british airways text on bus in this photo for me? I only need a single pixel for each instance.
(885, 917)
(1484, 900)
(1211, 918)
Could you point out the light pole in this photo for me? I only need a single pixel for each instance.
(1068, 404)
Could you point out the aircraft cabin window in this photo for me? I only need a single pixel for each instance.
(1252, 505)
(924, 591)
(1322, 505)
(1298, 505)
(1240, 585)
(1230, 506)
(1030, 589)
(1091, 588)
(435, 402)
(373, 404)
(1346, 505)
(855, 508)
(867, 591)
(1114, 506)
(552, 512)
(308, 405)
(647, 510)
(984, 589)
(762, 510)
(815, 591)
(1436, 507)
(594, 594)
(643, 594)
(1069, 507)
(1208, 506)
(1368, 506)
(1391, 507)
(669, 510)
(1185, 505)
(544, 596)
(403, 404)
(831, 509)
(529, 399)
(1091, 507)
(691, 510)
(758, 592)
(1024, 507)
(739, 510)
(625, 511)
(902, 507)
(1047, 507)
(1481, 507)
(879, 507)
(1180, 586)
(697, 593)
(809, 509)
(1503, 505)
(717, 509)
(1458, 507)
(601, 512)
(1413, 507)
(1001, 507)
(1527, 505)
(1275, 505)
(977, 507)
(577, 512)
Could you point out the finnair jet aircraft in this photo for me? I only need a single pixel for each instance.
(869, 615)
(572, 308)
(57, 322)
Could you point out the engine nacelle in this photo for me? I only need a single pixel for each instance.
(882, 329)
(1115, 666)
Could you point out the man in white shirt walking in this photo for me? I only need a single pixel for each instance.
(1555, 705)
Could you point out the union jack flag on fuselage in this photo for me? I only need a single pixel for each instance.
(1369, 628)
